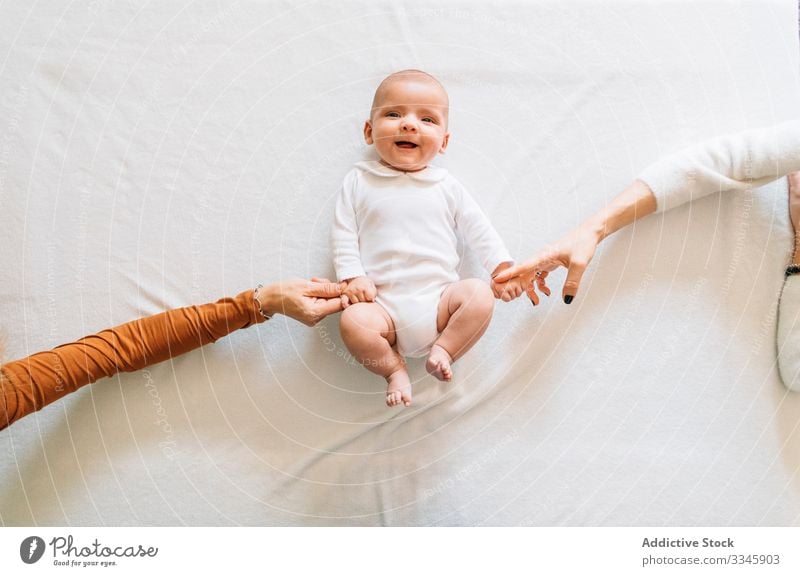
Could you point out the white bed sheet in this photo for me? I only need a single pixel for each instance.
(158, 155)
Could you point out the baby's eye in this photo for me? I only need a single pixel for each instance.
(429, 119)
(392, 115)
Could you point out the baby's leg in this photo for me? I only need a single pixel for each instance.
(368, 332)
(465, 310)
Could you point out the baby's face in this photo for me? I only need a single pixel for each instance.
(408, 124)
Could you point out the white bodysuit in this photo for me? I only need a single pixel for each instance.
(400, 230)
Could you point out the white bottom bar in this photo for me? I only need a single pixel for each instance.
(389, 551)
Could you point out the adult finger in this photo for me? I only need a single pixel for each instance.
(573, 281)
(345, 301)
(323, 289)
(542, 284)
(532, 294)
(325, 307)
(512, 272)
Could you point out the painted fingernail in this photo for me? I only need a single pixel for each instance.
(568, 299)
(534, 303)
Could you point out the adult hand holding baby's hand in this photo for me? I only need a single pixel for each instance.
(521, 278)
(573, 251)
(305, 301)
(359, 289)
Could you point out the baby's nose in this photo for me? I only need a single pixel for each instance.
(409, 124)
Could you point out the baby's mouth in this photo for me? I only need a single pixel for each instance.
(405, 144)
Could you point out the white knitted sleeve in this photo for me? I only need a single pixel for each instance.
(736, 162)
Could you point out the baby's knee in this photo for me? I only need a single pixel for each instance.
(478, 296)
(357, 319)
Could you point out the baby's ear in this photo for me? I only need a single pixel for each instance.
(368, 132)
(445, 140)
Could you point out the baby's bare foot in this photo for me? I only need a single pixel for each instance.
(399, 389)
(438, 364)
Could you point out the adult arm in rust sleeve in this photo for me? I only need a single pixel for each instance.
(31, 383)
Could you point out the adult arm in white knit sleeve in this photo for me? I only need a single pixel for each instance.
(344, 234)
(478, 232)
(743, 160)
(735, 162)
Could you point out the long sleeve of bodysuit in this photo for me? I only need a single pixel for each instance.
(344, 234)
(735, 162)
(479, 234)
(31, 383)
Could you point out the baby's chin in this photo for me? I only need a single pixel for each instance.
(402, 167)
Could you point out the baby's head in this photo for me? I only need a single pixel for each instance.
(408, 120)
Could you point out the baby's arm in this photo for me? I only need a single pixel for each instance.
(346, 253)
(480, 236)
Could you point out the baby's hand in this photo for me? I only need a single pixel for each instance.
(510, 290)
(359, 289)
(507, 291)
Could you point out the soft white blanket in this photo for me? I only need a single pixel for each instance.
(158, 155)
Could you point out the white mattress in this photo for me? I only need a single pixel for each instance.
(159, 155)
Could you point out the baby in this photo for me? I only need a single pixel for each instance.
(395, 244)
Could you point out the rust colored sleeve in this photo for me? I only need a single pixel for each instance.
(31, 383)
